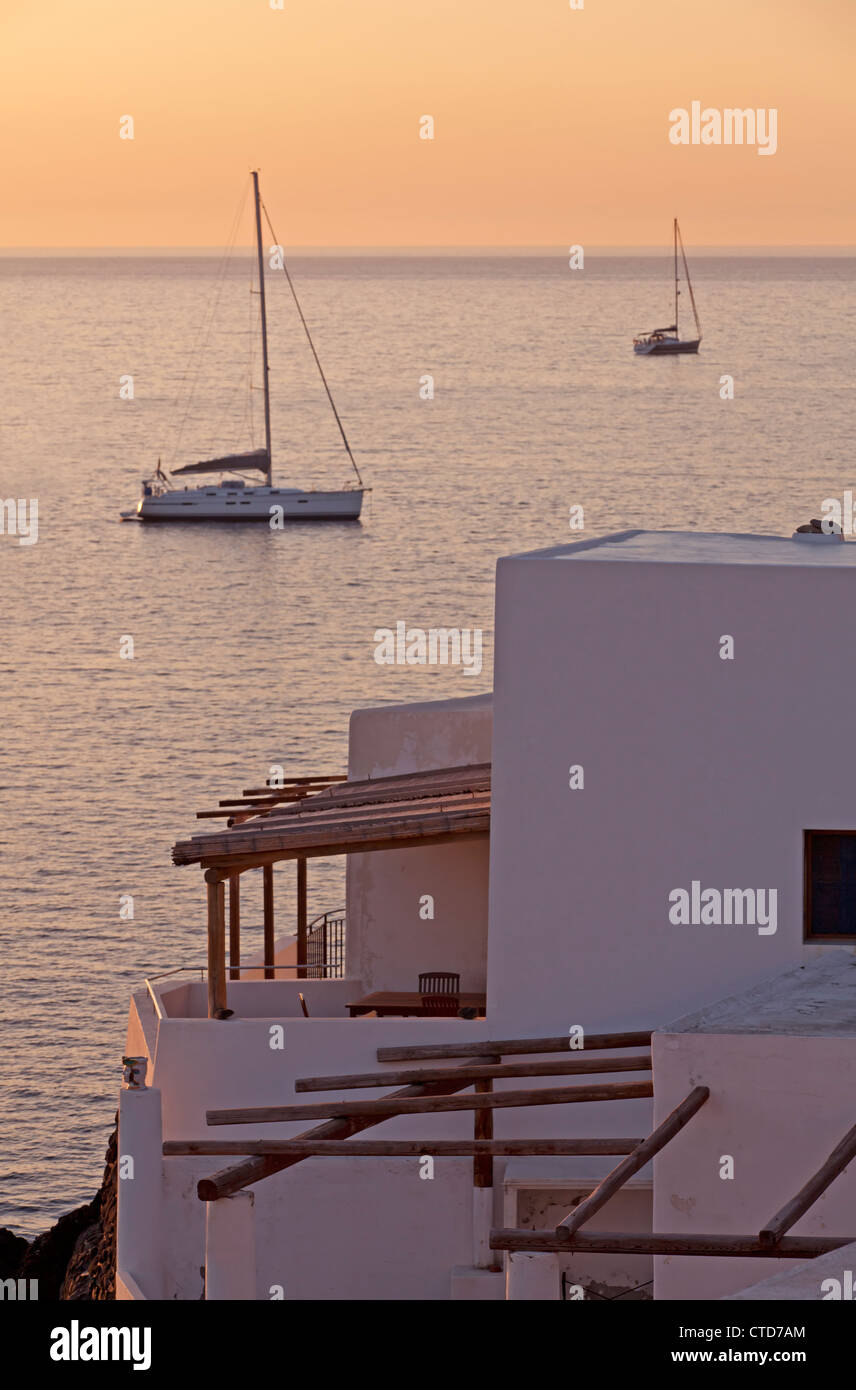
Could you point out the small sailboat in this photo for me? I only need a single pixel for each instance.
(233, 498)
(663, 341)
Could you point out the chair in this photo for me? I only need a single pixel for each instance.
(439, 990)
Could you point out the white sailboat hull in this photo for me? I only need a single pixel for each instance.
(250, 504)
(665, 347)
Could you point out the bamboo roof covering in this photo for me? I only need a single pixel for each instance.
(311, 817)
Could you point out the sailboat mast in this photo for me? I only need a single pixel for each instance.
(690, 286)
(265, 366)
(677, 291)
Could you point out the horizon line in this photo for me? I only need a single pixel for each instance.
(468, 249)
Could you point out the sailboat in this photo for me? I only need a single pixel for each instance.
(662, 341)
(233, 498)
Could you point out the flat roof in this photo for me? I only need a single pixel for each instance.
(803, 1282)
(817, 999)
(706, 548)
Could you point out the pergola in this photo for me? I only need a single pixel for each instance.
(310, 817)
(436, 1089)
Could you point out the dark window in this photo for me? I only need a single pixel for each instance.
(830, 885)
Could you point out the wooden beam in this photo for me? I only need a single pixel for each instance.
(398, 1148)
(483, 1130)
(475, 827)
(263, 798)
(656, 1141)
(288, 783)
(275, 840)
(508, 1047)
(234, 926)
(240, 1175)
(216, 942)
(625, 1243)
(301, 920)
(428, 1105)
(385, 791)
(267, 896)
(413, 1075)
(838, 1160)
(299, 782)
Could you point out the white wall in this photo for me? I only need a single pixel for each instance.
(779, 1106)
(695, 768)
(388, 944)
(270, 999)
(326, 1228)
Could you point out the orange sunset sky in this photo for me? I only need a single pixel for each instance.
(551, 123)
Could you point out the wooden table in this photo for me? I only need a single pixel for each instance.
(403, 1004)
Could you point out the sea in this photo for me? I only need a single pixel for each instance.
(493, 404)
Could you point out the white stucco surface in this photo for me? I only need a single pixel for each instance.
(781, 1099)
(813, 1000)
(824, 1279)
(695, 768)
(713, 548)
(389, 944)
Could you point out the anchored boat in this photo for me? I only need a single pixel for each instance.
(667, 341)
(234, 498)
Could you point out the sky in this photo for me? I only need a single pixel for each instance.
(551, 124)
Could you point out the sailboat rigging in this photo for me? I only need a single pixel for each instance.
(232, 499)
(662, 341)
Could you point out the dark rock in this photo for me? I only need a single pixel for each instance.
(48, 1256)
(102, 1269)
(82, 1267)
(12, 1251)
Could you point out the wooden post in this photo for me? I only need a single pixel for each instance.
(216, 942)
(301, 920)
(838, 1160)
(234, 926)
(482, 1183)
(656, 1141)
(267, 892)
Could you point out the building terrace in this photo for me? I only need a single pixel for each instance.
(701, 767)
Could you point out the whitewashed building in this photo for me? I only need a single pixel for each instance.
(670, 822)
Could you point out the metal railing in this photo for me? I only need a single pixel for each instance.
(325, 946)
(328, 928)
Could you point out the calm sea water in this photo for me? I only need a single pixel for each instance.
(252, 646)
